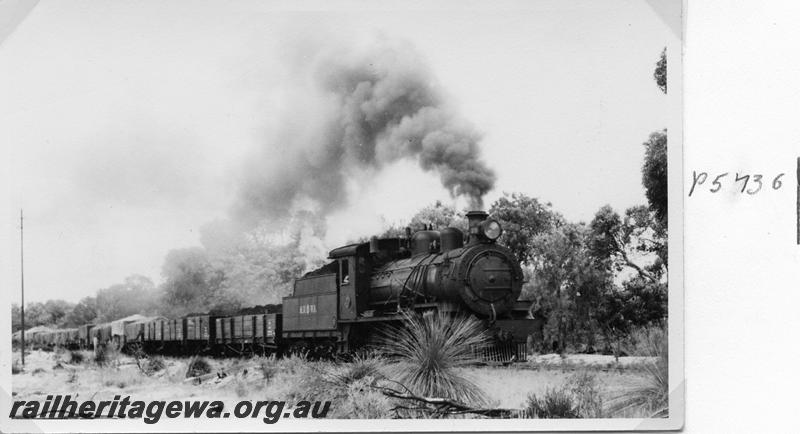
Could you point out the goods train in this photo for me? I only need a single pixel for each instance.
(340, 306)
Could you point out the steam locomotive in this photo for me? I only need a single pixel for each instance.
(340, 306)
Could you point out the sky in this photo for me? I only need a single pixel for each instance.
(126, 125)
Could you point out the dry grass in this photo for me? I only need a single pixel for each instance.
(652, 398)
(427, 351)
(363, 402)
(268, 367)
(293, 363)
(508, 387)
(646, 341)
(121, 378)
(351, 386)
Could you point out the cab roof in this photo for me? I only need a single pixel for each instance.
(348, 250)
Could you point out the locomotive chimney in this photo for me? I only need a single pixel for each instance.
(475, 218)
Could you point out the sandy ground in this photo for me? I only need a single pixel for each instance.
(588, 360)
(49, 373)
(509, 386)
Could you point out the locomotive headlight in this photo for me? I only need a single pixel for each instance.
(491, 229)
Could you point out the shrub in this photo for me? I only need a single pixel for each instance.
(105, 353)
(585, 391)
(155, 364)
(296, 362)
(100, 355)
(16, 367)
(579, 397)
(426, 351)
(362, 366)
(269, 367)
(316, 382)
(361, 401)
(75, 357)
(137, 352)
(198, 366)
(555, 404)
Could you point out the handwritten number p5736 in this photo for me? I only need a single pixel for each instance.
(718, 184)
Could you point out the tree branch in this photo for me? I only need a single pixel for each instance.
(642, 272)
(441, 406)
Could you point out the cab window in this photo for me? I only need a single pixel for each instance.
(344, 272)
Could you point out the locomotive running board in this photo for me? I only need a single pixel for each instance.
(371, 319)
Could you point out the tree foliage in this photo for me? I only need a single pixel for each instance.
(660, 74)
(566, 285)
(438, 216)
(654, 174)
(137, 294)
(628, 241)
(53, 313)
(85, 312)
(257, 272)
(523, 218)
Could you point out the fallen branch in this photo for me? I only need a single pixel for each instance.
(200, 378)
(441, 406)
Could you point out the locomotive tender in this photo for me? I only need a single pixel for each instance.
(340, 306)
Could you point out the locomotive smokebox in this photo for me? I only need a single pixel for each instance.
(474, 218)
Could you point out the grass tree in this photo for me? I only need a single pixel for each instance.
(427, 350)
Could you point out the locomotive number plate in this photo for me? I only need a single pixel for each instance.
(307, 309)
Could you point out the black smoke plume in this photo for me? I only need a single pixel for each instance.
(348, 113)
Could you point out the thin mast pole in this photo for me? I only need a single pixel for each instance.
(22, 285)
